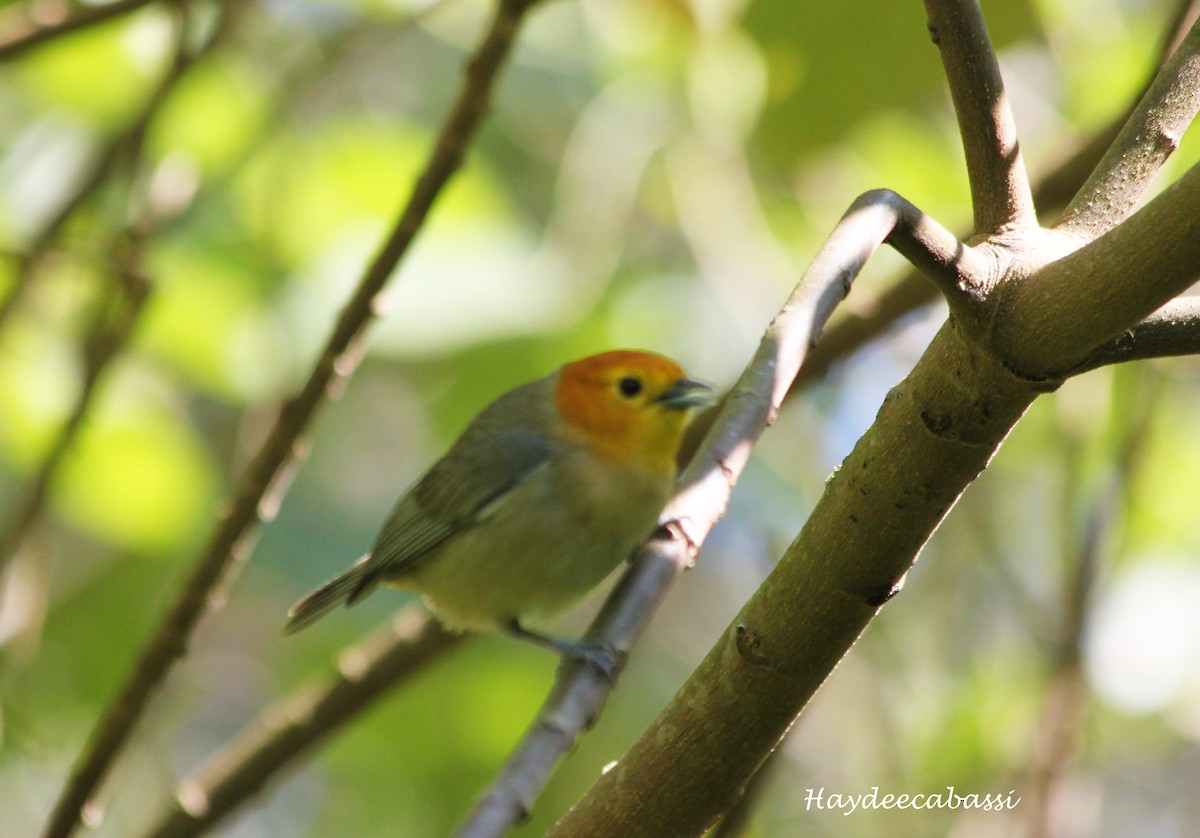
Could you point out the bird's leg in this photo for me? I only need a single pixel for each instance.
(600, 656)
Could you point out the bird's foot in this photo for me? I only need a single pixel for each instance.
(603, 657)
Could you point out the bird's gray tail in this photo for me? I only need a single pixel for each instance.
(314, 606)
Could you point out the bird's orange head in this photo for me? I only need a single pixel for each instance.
(629, 406)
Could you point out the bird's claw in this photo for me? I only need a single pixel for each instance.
(602, 657)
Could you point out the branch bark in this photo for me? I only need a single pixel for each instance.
(265, 480)
(1149, 137)
(1000, 193)
(930, 440)
(706, 484)
(1082, 301)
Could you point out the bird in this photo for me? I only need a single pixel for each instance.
(547, 490)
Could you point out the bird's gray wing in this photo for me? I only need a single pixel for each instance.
(454, 494)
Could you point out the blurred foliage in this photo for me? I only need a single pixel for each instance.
(653, 174)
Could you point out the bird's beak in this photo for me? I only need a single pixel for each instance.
(686, 393)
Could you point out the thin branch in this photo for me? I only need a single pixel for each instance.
(705, 486)
(291, 727)
(19, 32)
(112, 326)
(265, 480)
(1173, 330)
(1149, 137)
(110, 330)
(1000, 192)
(122, 149)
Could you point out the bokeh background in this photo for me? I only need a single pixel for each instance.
(653, 174)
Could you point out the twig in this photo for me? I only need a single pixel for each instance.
(265, 480)
(704, 488)
(112, 326)
(1149, 137)
(1000, 192)
(123, 148)
(19, 33)
(1171, 331)
(291, 727)
(110, 330)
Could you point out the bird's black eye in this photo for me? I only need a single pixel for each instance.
(629, 387)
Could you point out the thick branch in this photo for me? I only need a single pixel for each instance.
(288, 729)
(1080, 302)
(265, 479)
(935, 432)
(1149, 137)
(19, 33)
(1000, 192)
(705, 486)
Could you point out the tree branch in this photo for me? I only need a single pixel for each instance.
(1000, 193)
(265, 480)
(288, 729)
(705, 486)
(1052, 191)
(1149, 137)
(947, 419)
(1171, 331)
(111, 328)
(19, 32)
(122, 149)
(935, 432)
(1079, 302)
